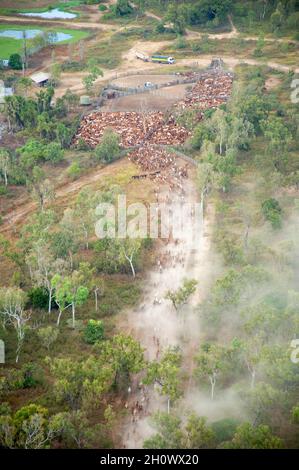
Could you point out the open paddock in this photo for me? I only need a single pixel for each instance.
(154, 100)
(140, 79)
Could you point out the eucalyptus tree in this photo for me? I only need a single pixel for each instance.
(181, 296)
(5, 164)
(124, 355)
(70, 291)
(166, 374)
(43, 265)
(12, 309)
(211, 361)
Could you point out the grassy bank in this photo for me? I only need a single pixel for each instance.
(10, 46)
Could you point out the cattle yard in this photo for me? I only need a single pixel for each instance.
(147, 134)
(212, 89)
(133, 128)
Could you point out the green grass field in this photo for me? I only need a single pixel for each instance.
(10, 46)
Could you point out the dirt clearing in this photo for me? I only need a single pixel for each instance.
(24, 207)
(139, 80)
(154, 100)
(155, 323)
(272, 82)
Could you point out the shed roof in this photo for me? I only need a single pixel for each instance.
(4, 93)
(39, 77)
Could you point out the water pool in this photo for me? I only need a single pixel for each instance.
(55, 13)
(32, 33)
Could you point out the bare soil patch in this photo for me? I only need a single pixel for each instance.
(272, 82)
(139, 80)
(22, 4)
(154, 100)
(23, 206)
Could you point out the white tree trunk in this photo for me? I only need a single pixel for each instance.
(96, 299)
(50, 300)
(132, 268)
(131, 264)
(71, 259)
(213, 383)
(86, 238)
(20, 336)
(58, 318)
(252, 384)
(73, 313)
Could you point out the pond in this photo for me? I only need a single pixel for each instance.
(32, 33)
(55, 13)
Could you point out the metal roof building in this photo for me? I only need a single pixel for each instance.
(5, 92)
(40, 78)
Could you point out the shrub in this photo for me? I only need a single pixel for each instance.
(224, 429)
(108, 150)
(180, 43)
(272, 212)
(201, 133)
(160, 28)
(94, 331)
(230, 249)
(5, 408)
(3, 190)
(79, 326)
(26, 412)
(82, 145)
(102, 8)
(122, 8)
(73, 66)
(196, 47)
(74, 170)
(29, 376)
(108, 309)
(15, 62)
(53, 152)
(48, 335)
(33, 375)
(257, 52)
(38, 297)
(13, 380)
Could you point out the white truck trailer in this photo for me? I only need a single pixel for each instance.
(141, 56)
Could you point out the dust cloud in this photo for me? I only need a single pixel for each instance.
(157, 325)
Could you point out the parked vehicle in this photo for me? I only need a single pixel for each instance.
(141, 56)
(163, 59)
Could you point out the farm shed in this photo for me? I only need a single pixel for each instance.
(3, 93)
(40, 78)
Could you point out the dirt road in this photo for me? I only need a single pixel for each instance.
(156, 324)
(234, 33)
(23, 208)
(74, 81)
(77, 24)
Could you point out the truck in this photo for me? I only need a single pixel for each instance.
(141, 56)
(162, 59)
